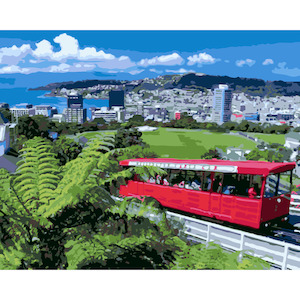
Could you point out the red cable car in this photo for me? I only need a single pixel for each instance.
(248, 193)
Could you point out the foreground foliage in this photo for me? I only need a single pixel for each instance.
(64, 217)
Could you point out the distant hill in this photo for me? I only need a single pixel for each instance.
(250, 86)
(78, 84)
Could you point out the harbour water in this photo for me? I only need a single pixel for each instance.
(20, 97)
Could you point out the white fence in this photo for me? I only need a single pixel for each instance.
(279, 254)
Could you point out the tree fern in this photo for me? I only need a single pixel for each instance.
(37, 175)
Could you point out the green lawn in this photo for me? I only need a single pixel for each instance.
(191, 143)
(269, 138)
(92, 134)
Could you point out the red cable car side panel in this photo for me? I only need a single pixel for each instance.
(244, 210)
(247, 212)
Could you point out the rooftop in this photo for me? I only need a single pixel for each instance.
(217, 165)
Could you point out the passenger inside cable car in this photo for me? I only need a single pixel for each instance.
(252, 191)
(228, 189)
(193, 180)
(207, 181)
(177, 178)
(217, 183)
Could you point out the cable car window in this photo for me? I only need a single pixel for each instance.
(194, 180)
(243, 184)
(284, 186)
(177, 178)
(255, 187)
(165, 180)
(217, 182)
(206, 181)
(271, 185)
(229, 184)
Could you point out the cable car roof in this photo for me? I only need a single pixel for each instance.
(213, 165)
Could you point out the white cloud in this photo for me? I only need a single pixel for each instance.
(90, 53)
(64, 68)
(268, 61)
(201, 58)
(123, 57)
(69, 47)
(33, 61)
(12, 55)
(181, 70)
(14, 69)
(155, 71)
(79, 67)
(249, 62)
(135, 72)
(283, 70)
(164, 60)
(70, 50)
(43, 49)
(120, 63)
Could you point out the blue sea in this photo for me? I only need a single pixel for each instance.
(20, 97)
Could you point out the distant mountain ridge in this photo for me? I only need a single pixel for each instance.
(77, 84)
(250, 86)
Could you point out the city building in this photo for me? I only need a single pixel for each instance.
(271, 117)
(75, 113)
(4, 139)
(4, 105)
(252, 116)
(140, 108)
(242, 107)
(157, 113)
(116, 98)
(292, 141)
(222, 104)
(19, 112)
(75, 101)
(233, 153)
(45, 110)
(58, 118)
(286, 116)
(237, 118)
(114, 114)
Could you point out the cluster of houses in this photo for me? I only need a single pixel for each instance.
(292, 141)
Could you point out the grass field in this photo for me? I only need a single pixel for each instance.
(269, 138)
(185, 143)
(191, 143)
(92, 134)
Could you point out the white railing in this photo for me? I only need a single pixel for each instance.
(279, 254)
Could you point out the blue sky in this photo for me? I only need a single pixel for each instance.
(33, 58)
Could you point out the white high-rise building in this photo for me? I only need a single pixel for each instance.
(222, 104)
